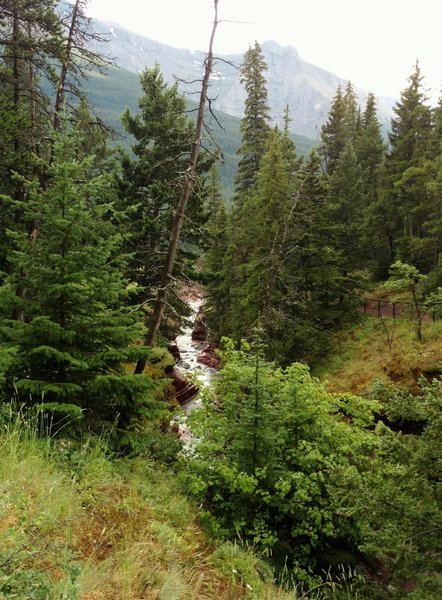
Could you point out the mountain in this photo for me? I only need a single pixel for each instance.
(304, 87)
(120, 89)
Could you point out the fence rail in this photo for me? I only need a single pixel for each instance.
(399, 310)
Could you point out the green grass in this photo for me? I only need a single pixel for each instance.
(387, 350)
(76, 523)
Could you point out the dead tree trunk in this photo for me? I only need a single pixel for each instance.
(65, 66)
(188, 182)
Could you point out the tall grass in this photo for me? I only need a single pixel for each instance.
(79, 524)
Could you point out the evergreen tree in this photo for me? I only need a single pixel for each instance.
(218, 292)
(410, 144)
(352, 113)
(150, 182)
(255, 123)
(313, 272)
(346, 196)
(73, 333)
(257, 229)
(30, 43)
(370, 150)
(334, 132)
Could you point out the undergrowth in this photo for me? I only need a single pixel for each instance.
(381, 350)
(77, 523)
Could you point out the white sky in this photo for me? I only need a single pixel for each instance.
(374, 43)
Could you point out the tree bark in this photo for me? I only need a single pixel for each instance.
(65, 66)
(188, 183)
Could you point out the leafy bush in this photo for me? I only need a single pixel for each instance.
(271, 441)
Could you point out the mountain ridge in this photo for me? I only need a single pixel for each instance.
(305, 88)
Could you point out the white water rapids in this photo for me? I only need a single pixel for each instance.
(188, 365)
(189, 351)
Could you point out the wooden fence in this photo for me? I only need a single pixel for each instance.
(399, 310)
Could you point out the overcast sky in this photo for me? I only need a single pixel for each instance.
(374, 43)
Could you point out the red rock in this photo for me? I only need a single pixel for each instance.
(199, 332)
(209, 357)
(184, 390)
(174, 350)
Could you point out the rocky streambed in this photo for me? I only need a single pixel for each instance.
(196, 361)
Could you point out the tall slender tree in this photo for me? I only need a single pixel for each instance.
(334, 131)
(410, 144)
(150, 182)
(255, 123)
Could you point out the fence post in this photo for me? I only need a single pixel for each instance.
(394, 310)
(379, 308)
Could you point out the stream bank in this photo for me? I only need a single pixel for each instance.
(196, 361)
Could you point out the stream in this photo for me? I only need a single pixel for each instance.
(189, 351)
(188, 364)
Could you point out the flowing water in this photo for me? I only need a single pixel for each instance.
(188, 365)
(189, 351)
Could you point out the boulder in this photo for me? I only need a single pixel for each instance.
(184, 390)
(174, 350)
(209, 357)
(199, 332)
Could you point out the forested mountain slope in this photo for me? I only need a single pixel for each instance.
(305, 88)
(111, 93)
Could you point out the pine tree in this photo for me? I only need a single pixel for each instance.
(346, 196)
(257, 228)
(255, 123)
(370, 152)
(334, 133)
(370, 149)
(150, 182)
(352, 118)
(410, 145)
(30, 44)
(74, 333)
(312, 272)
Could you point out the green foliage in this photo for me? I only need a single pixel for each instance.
(73, 333)
(341, 127)
(255, 123)
(404, 278)
(397, 501)
(407, 278)
(270, 442)
(150, 185)
(404, 200)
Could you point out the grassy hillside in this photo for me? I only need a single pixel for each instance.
(111, 94)
(78, 524)
(382, 349)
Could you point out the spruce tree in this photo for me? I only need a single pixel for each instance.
(334, 132)
(74, 333)
(347, 199)
(312, 272)
(370, 151)
(150, 181)
(30, 44)
(410, 145)
(255, 123)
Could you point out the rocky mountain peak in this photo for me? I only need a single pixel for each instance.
(305, 88)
